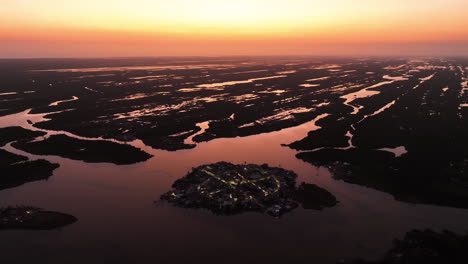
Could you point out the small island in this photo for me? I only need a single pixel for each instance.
(92, 151)
(227, 189)
(24, 217)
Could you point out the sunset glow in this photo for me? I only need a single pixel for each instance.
(242, 27)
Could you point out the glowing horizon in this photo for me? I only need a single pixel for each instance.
(86, 28)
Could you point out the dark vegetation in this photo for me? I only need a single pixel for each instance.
(428, 121)
(86, 150)
(426, 247)
(11, 134)
(17, 170)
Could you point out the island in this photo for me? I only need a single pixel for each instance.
(227, 189)
(24, 217)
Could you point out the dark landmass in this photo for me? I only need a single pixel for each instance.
(10, 134)
(17, 170)
(227, 189)
(334, 135)
(310, 196)
(426, 247)
(33, 219)
(86, 150)
(170, 143)
(398, 176)
(428, 119)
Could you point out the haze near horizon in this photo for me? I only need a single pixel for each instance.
(86, 28)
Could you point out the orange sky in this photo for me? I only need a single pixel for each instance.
(89, 28)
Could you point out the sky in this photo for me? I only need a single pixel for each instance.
(126, 28)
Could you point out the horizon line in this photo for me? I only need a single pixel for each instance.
(233, 56)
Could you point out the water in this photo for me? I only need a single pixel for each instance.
(74, 98)
(119, 223)
(230, 83)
